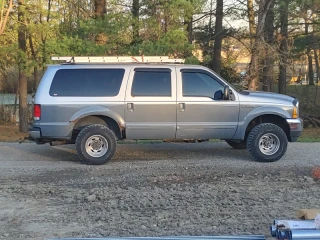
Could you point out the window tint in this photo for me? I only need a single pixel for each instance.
(87, 82)
(199, 85)
(151, 83)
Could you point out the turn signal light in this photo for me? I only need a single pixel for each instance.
(295, 112)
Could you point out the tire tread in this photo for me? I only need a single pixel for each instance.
(110, 137)
(254, 152)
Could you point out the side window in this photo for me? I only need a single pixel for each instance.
(151, 84)
(87, 82)
(196, 84)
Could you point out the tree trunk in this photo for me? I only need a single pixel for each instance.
(23, 91)
(216, 59)
(210, 29)
(100, 8)
(255, 66)
(166, 22)
(268, 70)
(309, 55)
(49, 10)
(35, 77)
(99, 12)
(34, 56)
(135, 20)
(315, 49)
(316, 57)
(44, 38)
(189, 25)
(283, 55)
(251, 18)
(310, 67)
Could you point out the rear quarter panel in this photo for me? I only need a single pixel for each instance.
(59, 113)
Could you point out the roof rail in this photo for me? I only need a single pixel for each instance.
(116, 59)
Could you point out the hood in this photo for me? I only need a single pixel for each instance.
(265, 97)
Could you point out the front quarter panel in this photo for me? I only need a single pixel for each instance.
(250, 111)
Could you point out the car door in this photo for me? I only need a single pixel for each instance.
(201, 114)
(151, 103)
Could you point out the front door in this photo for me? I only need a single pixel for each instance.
(199, 114)
(150, 104)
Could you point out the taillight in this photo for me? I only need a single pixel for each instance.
(36, 111)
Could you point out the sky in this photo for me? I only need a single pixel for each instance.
(230, 21)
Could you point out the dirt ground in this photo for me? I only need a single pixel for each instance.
(159, 189)
(10, 133)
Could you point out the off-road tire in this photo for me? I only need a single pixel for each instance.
(254, 142)
(96, 130)
(237, 145)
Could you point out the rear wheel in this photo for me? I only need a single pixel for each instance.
(96, 144)
(237, 144)
(267, 142)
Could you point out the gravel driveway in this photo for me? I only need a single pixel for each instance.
(151, 190)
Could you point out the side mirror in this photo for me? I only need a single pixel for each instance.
(218, 95)
(226, 93)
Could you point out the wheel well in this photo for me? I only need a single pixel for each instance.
(277, 120)
(96, 119)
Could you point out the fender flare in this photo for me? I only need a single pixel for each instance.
(257, 112)
(97, 110)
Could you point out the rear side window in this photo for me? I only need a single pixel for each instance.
(151, 84)
(87, 82)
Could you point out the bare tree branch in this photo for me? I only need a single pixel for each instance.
(4, 20)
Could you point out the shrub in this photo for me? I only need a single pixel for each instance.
(6, 114)
(9, 80)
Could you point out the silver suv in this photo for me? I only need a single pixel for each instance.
(93, 105)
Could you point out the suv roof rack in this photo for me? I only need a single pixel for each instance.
(116, 59)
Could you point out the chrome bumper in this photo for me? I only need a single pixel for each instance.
(35, 133)
(296, 128)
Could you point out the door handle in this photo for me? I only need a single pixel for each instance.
(130, 107)
(182, 107)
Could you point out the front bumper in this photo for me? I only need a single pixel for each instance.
(296, 128)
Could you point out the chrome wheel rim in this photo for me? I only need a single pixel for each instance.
(269, 144)
(96, 146)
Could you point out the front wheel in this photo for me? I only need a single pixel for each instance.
(267, 142)
(96, 144)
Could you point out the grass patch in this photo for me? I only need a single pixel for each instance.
(10, 133)
(310, 135)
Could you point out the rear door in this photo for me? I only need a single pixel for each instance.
(150, 103)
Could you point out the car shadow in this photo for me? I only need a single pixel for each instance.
(179, 151)
(140, 152)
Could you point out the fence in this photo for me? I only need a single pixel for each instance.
(9, 108)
